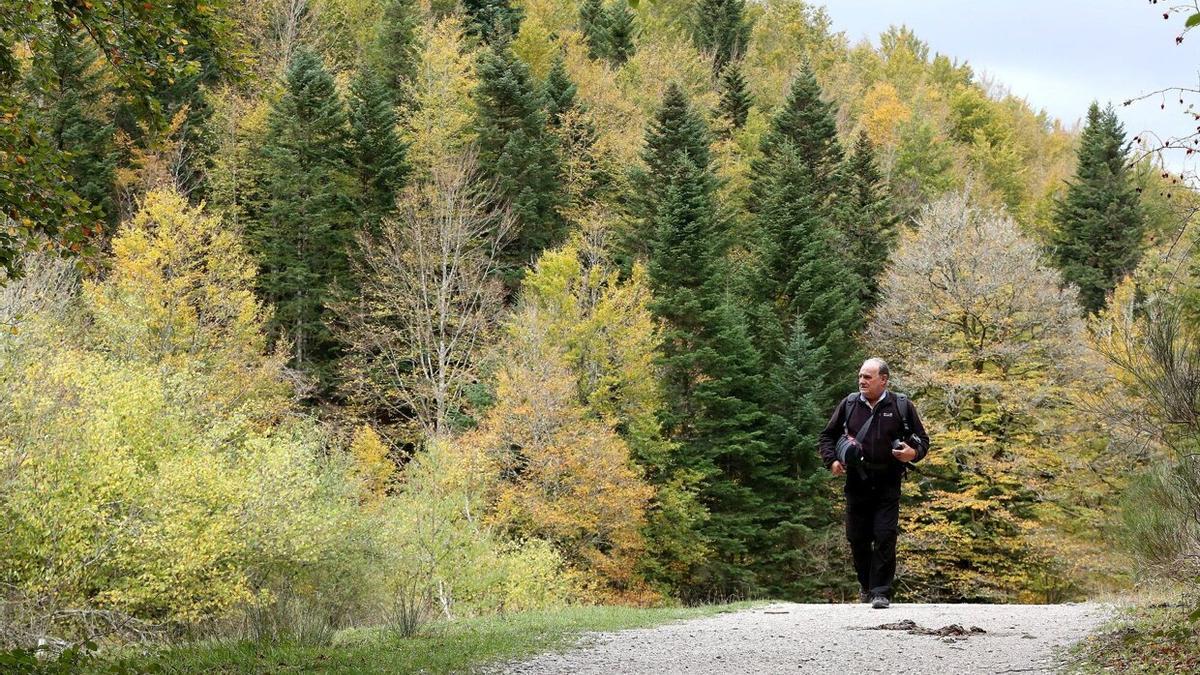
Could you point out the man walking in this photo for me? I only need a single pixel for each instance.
(891, 436)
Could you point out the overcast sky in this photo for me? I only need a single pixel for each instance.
(1059, 55)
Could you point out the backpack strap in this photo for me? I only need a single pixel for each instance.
(902, 407)
(847, 408)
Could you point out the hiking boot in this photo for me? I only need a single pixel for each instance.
(864, 596)
(880, 602)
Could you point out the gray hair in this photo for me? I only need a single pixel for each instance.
(879, 363)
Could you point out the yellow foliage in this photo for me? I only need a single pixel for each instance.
(440, 124)
(882, 113)
(371, 465)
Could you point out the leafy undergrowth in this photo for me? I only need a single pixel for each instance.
(442, 647)
(1161, 637)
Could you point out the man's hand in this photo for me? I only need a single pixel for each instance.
(905, 453)
(838, 469)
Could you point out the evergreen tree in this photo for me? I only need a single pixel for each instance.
(803, 278)
(492, 19)
(582, 177)
(722, 30)
(306, 223)
(619, 33)
(802, 498)
(517, 150)
(78, 123)
(396, 54)
(735, 97)
(809, 125)
(922, 168)
(593, 23)
(712, 370)
(864, 215)
(378, 153)
(559, 92)
(1100, 221)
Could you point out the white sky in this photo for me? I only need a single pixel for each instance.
(1059, 55)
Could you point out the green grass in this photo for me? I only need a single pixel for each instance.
(441, 647)
(1155, 637)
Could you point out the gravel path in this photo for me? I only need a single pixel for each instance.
(791, 638)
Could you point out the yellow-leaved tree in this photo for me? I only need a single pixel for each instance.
(990, 345)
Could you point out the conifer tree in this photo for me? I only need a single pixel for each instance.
(378, 153)
(619, 33)
(492, 19)
(517, 150)
(712, 370)
(722, 30)
(1100, 221)
(735, 97)
(582, 176)
(864, 215)
(308, 218)
(560, 92)
(396, 54)
(809, 124)
(78, 123)
(593, 23)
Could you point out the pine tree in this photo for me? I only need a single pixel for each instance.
(396, 54)
(1100, 221)
(735, 97)
(490, 20)
(518, 152)
(306, 224)
(77, 120)
(593, 23)
(619, 33)
(721, 29)
(864, 215)
(559, 92)
(378, 153)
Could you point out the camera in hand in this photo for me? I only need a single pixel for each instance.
(912, 441)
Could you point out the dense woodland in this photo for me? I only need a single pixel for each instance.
(325, 313)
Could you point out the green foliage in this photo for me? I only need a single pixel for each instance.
(492, 20)
(721, 30)
(307, 222)
(735, 98)
(621, 31)
(395, 54)
(1100, 221)
(379, 156)
(517, 151)
(865, 216)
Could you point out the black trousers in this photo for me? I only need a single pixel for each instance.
(872, 525)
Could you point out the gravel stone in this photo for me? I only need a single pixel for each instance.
(828, 638)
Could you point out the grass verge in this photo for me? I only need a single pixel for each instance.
(443, 647)
(1155, 637)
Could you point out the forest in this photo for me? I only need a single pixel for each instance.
(318, 314)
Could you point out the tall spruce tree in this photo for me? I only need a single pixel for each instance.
(809, 125)
(593, 23)
(492, 19)
(721, 29)
(517, 150)
(308, 219)
(865, 216)
(378, 154)
(712, 370)
(619, 34)
(78, 120)
(735, 97)
(395, 55)
(1100, 221)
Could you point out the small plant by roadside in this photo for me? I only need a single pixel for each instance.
(1158, 637)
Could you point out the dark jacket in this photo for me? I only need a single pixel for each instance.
(887, 425)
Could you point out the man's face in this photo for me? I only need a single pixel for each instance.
(870, 383)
